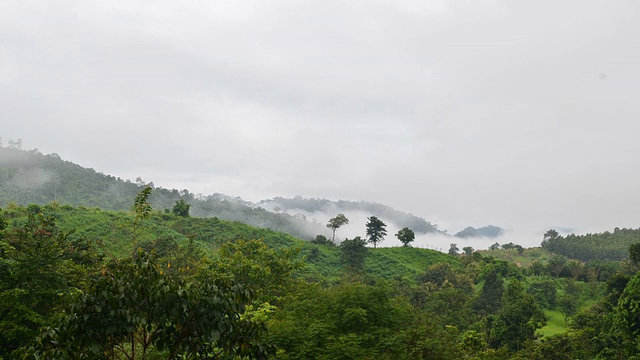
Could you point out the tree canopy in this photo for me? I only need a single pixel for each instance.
(376, 230)
(406, 236)
(335, 223)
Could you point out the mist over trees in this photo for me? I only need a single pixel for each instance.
(398, 217)
(146, 283)
(489, 231)
(30, 177)
(335, 223)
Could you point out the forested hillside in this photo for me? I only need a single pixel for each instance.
(30, 177)
(82, 282)
(599, 246)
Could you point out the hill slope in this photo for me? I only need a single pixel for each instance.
(112, 230)
(30, 177)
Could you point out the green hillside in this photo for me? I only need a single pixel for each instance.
(112, 229)
(30, 177)
(137, 279)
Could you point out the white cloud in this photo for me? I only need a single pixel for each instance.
(518, 114)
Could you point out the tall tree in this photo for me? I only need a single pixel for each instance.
(376, 230)
(406, 235)
(453, 249)
(550, 236)
(489, 300)
(353, 253)
(520, 317)
(35, 275)
(181, 208)
(335, 223)
(556, 264)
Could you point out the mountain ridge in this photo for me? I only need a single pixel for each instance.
(30, 177)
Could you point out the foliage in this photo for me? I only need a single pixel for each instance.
(348, 321)
(601, 246)
(568, 306)
(353, 253)
(544, 290)
(406, 236)
(181, 208)
(137, 310)
(376, 230)
(335, 223)
(265, 271)
(489, 301)
(322, 240)
(38, 269)
(627, 315)
(29, 177)
(518, 319)
(557, 264)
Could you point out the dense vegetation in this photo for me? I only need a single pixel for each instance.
(146, 284)
(30, 177)
(601, 246)
(143, 282)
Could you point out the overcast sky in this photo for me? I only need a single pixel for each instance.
(521, 114)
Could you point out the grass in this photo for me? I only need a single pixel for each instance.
(523, 260)
(404, 261)
(555, 324)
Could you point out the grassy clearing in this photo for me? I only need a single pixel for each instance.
(555, 324)
(524, 259)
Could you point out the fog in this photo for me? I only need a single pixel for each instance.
(517, 114)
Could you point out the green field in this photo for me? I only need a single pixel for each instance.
(555, 324)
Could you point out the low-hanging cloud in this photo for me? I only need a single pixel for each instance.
(471, 112)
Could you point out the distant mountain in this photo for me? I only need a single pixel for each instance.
(30, 177)
(489, 231)
(332, 208)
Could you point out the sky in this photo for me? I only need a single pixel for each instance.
(520, 114)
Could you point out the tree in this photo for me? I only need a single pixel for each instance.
(490, 298)
(405, 235)
(536, 267)
(376, 230)
(495, 246)
(468, 250)
(626, 315)
(353, 253)
(15, 144)
(265, 271)
(519, 248)
(181, 208)
(37, 271)
(556, 264)
(322, 240)
(519, 318)
(335, 223)
(549, 236)
(453, 249)
(575, 267)
(544, 291)
(568, 306)
(137, 310)
(634, 253)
